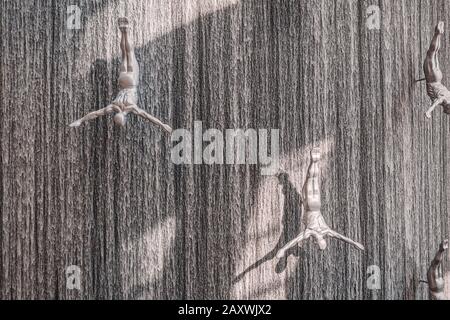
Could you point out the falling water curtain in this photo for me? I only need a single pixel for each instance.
(111, 204)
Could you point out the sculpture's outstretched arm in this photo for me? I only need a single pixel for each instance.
(301, 237)
(339, 236)
(434, 272)
(109, 109)
(435, 104)
(145, 115)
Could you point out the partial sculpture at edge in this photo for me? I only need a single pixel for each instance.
(312, 217)
(438, 93)
(436, 279)
(127, 98)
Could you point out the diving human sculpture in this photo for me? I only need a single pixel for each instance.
(126, 100)
(438, 93)
(439, 284)
(315, 225)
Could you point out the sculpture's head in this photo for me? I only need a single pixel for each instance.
(120, 119)
(320, 241)
(315, 154)
(446, 105)
(447, 109)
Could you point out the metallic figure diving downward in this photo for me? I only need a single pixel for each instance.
(438, 93)
(126, 100)
(313, 219)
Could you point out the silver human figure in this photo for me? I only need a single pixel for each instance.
(439, 289)
(126, 100)
(315, 225)
(438, 93)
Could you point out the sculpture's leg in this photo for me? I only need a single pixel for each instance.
(123, 65)
(131, 62)
(339, 236)
(145, 115)
(431, 66)
(301, 237)
(132, 65)
(96, 114)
